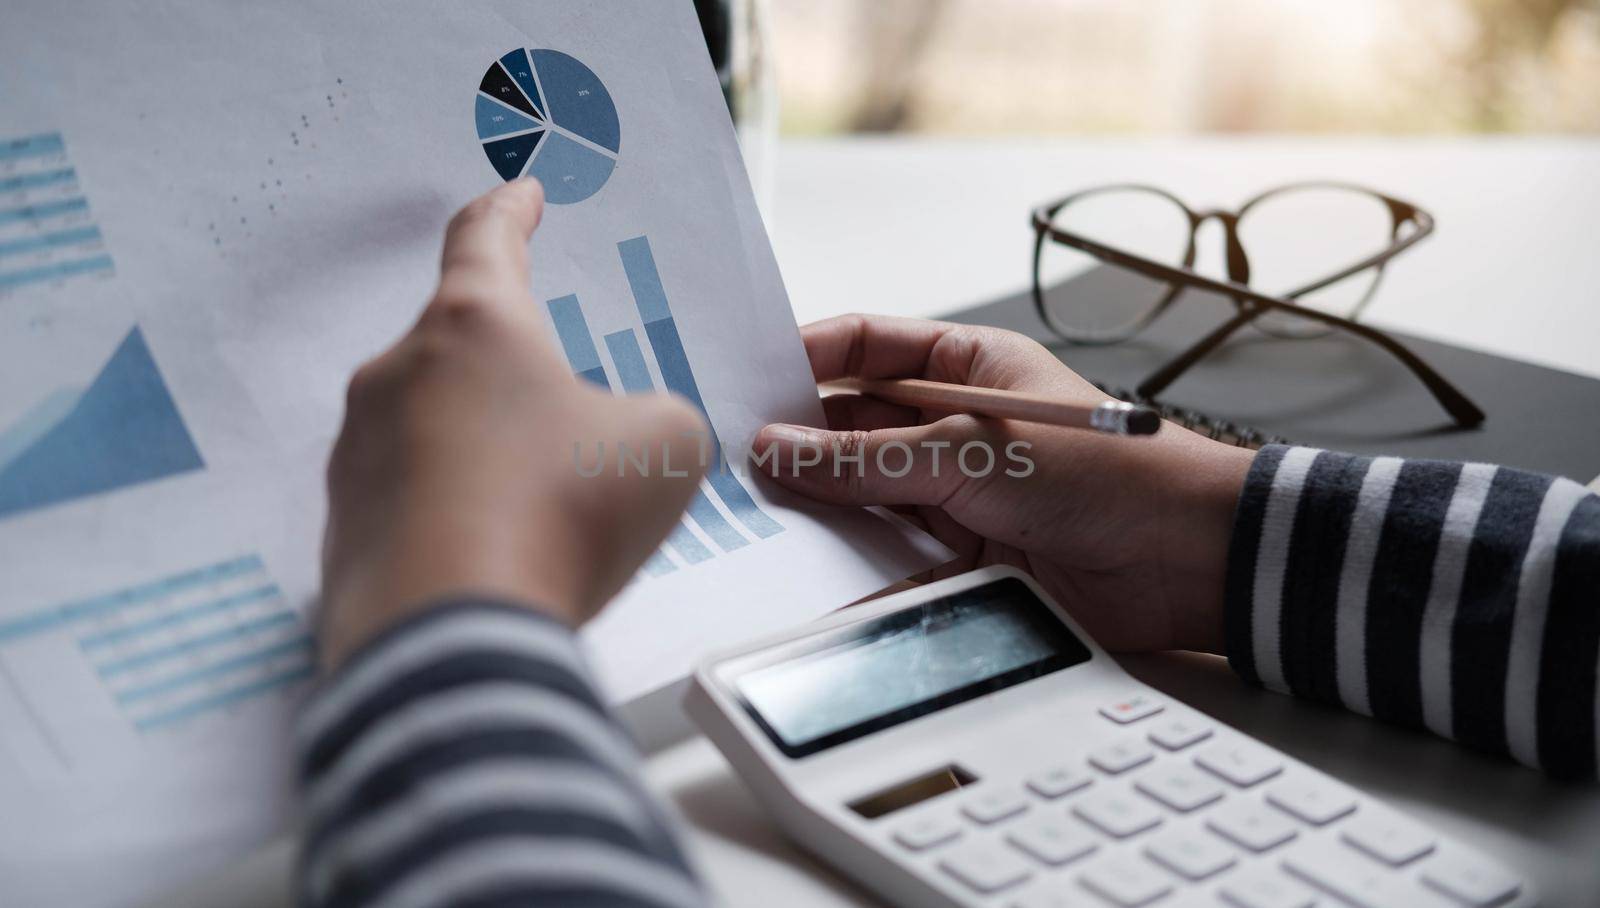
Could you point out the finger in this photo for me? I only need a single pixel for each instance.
(912, 465)
(670, 424)
(870, 346)
(485, 256)
(855, 411)
(877, 346)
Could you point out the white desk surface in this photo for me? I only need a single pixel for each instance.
(918, 227)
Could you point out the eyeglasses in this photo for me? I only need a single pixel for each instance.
(1319, 252)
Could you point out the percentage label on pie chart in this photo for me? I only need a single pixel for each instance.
(542, 113)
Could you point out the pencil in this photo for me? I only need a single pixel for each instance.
(1113, 416)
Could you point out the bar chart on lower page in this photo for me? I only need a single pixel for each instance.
(149, 659)
(722, 510)
(48, 236)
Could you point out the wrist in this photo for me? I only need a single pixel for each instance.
(1206, 482)
(417, 571)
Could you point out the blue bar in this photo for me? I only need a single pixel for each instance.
(675, 370)
(43, 210)
(744, 507)
(54, 271)
(684, 542)
(36, 180)
(648, 294)
(177, 649)
(629, 360)
(674, 363)
(32, 146)
(195, 611)
(658, 564)
(73, 237)
(659, 326)
(576, 340)
(52, 618)
(225, 667)
(226, 698)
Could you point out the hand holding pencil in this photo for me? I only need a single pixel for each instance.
(1132, 530)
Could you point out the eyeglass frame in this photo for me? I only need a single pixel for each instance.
(1250, 303)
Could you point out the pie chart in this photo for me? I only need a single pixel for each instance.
(542, 113)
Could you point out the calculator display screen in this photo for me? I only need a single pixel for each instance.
(812, 694)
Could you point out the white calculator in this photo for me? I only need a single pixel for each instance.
(965, 744)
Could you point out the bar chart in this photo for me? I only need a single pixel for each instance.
(739, 520)
(47, 233)
(153, 657)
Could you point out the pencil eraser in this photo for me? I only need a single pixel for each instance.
(1144, 421)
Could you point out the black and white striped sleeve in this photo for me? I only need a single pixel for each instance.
(464, 759)
(1462, 598)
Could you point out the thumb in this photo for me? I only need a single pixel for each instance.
(910, 465)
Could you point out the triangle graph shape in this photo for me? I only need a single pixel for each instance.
(509, 156)
(498, 120)
(123, 430)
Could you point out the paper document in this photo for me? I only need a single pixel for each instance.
(210, 214)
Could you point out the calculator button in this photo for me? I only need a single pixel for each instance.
(1117, 813)
(1469, 879)
(993, 806)
(1250, 825)
(986, 867)
(1180, 788)
(1176, 733)
(1341, 872)
(926, 832)
(1131, 709)
(1263, 887)
(1061, 780)
(1395, 842)
(1189, 854)
(1053, 840)
(1242, 764)
(1126, 881)
(1315, 803)
(1121, 756)
(1056, 894)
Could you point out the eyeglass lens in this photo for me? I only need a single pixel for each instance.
(1143, 222)
(1292, 237)
(1299, 235)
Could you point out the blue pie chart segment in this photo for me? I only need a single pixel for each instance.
(510, 156)
(577, 101)
(495, 119)
(569, 171)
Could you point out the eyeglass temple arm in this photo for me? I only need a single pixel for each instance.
(1462, 410)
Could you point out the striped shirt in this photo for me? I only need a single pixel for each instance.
(1460, 598)
(464, 759)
